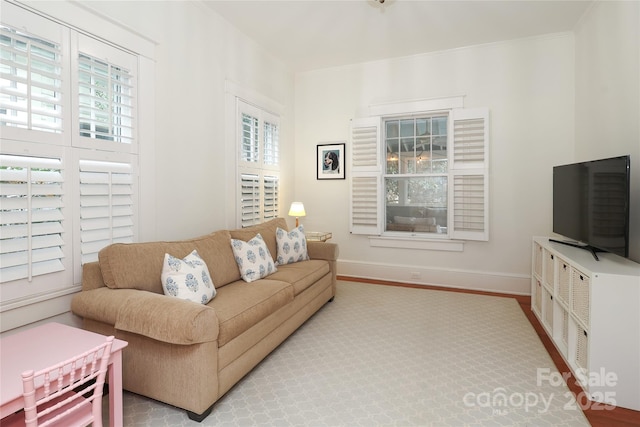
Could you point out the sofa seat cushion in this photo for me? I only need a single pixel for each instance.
(241, 305)
(301, 274)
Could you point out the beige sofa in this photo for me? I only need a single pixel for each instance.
(188, 354)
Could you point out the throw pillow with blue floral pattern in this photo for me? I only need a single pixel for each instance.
(292, 246)
(187, 278)
(253, 258)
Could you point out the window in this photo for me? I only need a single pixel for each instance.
(31, 82)
(105, 100)
(416, 175)
(104, 97)
(420, 174)
(68, 162)
(258, 165)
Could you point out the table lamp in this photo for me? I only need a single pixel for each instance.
(297, 210)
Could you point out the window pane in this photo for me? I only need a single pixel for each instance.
(422, 126)
(421, 147)
(439, 126)
(249, 149)
(417, 205)
(31, 82)
(106, 100)
(271, 143)
(392, 156)
(423, 163)
(392, 129)
(407, 155)
(407, 127)
(439, 154)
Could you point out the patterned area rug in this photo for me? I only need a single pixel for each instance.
(391, 356)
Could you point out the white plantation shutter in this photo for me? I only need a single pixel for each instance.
(107, 212)
(106, 93)
(258, 164)
(31, 82)
(365, 217)
(249, 199)
(469, 216)
(469, 138)
(270, 205)
(271, 143)
(31, 217)
(469, 204)
(249, 138)
(63, 90)
(259, 137)
(364, 144)
(258, 198)
(365, 209)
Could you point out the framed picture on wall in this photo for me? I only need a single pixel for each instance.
(330, 161)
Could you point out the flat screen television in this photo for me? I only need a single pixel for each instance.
(591, 204)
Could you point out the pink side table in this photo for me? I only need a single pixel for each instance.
(45, 345)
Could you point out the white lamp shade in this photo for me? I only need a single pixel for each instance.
(297, 209)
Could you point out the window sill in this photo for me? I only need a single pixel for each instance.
(416, 243)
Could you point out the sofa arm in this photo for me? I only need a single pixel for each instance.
(91, 276)
(101, 304)
(322, 250)
(167, 319)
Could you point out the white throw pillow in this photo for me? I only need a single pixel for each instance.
(253, 258)
(292, 246)
(187, 278)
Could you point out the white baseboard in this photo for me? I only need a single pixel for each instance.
(29, 314)
(451, 278)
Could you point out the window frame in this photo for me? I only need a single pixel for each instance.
(264, 205)
(405, 175)
(367, 210)
(37, 301)
(42, 28)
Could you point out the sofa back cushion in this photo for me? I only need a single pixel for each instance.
(267, 230)
(139, 265)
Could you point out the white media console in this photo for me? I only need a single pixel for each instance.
(591, 311)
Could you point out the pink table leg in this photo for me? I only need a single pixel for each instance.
(115, 390)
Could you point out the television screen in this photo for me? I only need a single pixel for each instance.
(591, 203)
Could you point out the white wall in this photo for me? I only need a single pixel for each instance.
(608, 93)
(528, 85)
(197, 53)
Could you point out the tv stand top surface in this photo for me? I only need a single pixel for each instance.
(608, 263)
(594, 251)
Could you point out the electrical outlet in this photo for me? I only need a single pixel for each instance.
(415, 275)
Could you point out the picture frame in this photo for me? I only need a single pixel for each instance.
(331, 161)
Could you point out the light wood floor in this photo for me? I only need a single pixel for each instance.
(618, 417)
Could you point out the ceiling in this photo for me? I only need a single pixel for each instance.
(312, 34)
